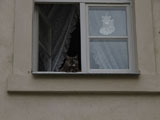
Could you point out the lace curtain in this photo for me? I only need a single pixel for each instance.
(56, 23)
(108, 53)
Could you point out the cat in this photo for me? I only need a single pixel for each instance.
(71, 64)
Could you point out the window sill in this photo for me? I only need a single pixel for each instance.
(84, 73)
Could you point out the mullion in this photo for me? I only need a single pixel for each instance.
(110, 37)
(90, 38)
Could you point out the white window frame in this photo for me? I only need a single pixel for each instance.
(128, 38)
(84, 4)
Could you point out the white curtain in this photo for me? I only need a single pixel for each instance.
(96, 15)
(108, 53)
(55, 34)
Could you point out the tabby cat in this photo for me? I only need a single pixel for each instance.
(71, 64)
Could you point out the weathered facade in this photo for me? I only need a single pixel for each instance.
(24, 96)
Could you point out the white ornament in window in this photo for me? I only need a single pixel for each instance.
(108, 25)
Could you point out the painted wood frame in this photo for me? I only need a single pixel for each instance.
(130, 38)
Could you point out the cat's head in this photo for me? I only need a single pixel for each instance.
(72, 61)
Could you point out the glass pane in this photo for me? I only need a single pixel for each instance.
(107, 21)
(109, 54)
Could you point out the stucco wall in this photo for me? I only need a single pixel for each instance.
(79, 106)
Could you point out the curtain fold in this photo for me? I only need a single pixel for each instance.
(62, 20)
(109, 54)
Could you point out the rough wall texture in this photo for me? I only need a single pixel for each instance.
(69, 106)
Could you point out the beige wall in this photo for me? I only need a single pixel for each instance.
(124, 105)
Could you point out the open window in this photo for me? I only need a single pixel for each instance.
(58, 42)
(83, 38)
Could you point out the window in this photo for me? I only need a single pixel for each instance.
(83, 38)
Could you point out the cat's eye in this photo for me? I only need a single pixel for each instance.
(83, 38)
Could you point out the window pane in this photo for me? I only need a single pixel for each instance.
(109, 54)
(107, 21)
